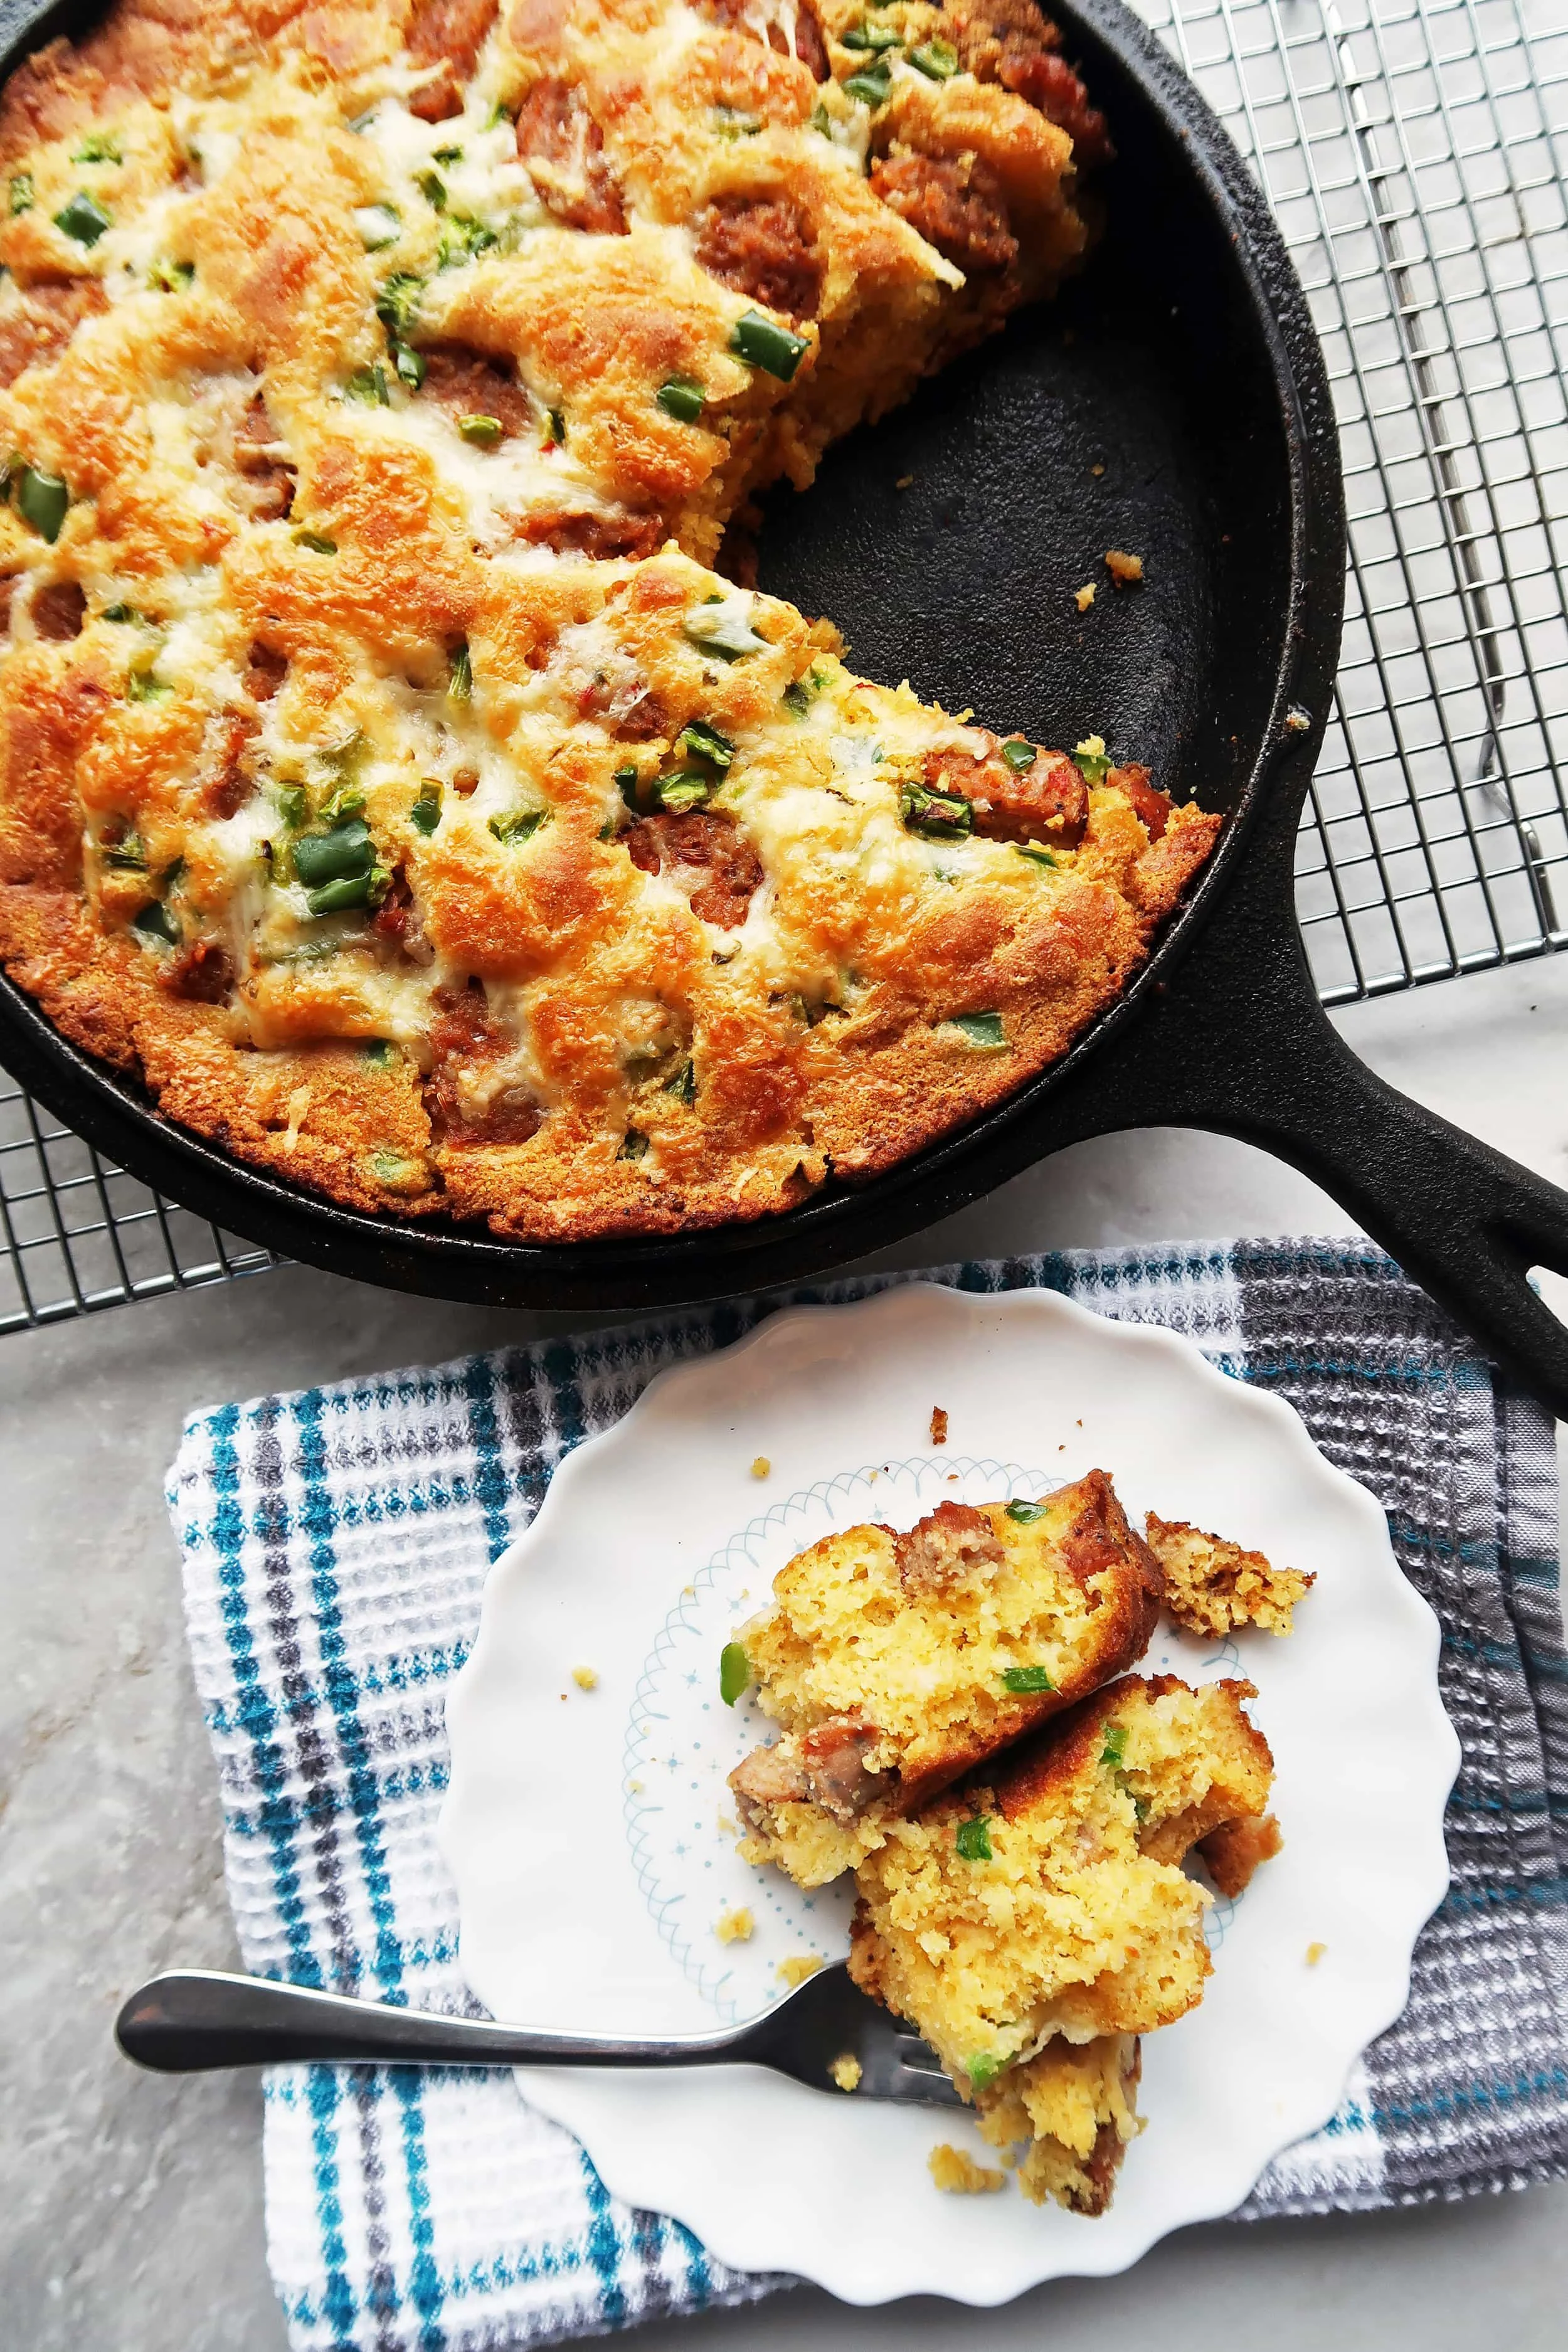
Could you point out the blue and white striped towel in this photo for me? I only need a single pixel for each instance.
(336, 1543)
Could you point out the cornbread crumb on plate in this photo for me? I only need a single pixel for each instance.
(954, 2169)
(1315, 1953)
(1212, 1586)
(799, 1967)
(1084, 597)
(1124, 569)
(734, 1926)
(896, 1663)
(847, 2071)
(937, 1426)
(586, 1677)
(1050, 1909)
(760, 1466)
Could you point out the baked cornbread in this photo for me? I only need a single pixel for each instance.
(1212, 1586)
(1045, 1901)
(386, 780)
(895, 1663)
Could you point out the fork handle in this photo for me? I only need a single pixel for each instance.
(195, 2019)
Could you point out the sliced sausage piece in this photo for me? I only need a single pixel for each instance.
(447, 34)
(1150, 806)
(43, 321)
(265, 462)
(265, 672)
(463, 1111)
(771, 23)
(943, 1549)
(956, 203)
(762, 246)
(232, 777)
(834, 1757)
(705, 855)
(202, 973)
(770, 1775)
(1009, 41)
(1047, 803)
(564, 148)
(58, 611)
(467, 383)
(623, 532)
(631, 708)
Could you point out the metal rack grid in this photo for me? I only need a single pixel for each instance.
(1416, 154)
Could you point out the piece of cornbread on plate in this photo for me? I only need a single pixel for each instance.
(1212, 1586)
(895, 1663)
(1044, 1905)
(1072, 2109)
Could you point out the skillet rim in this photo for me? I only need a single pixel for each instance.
(111, 1111)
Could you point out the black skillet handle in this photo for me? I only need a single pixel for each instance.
(1237, 1042)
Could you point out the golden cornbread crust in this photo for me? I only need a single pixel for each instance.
(898, 1662)
(386, 778)
(1213, 1586)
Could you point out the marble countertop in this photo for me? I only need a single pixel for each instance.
(131, 2208)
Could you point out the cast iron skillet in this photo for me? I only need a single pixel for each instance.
(1184, 365)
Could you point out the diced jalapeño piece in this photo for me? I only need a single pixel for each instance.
(701, 741)
(973, 1840)
(1025, 1514)
(521, 825)
(734, 1671)
(347, 849)
(42, 500)
(871, 85)
(682, 792)
(681, 398)
(156, 922)
(83, 218)
(762, 343)
(425, 813)
(983, 1031)
(935, 816)
(938, 60)
(1020, 756)
(1115, 1749)
(1026, 1678)
(1094, 762)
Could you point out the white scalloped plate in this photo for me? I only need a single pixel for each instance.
(583, 1827)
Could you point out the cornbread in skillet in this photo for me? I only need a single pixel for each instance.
(386, 780)
(1212, 1586)
(1041, 1909)
(895, 1663)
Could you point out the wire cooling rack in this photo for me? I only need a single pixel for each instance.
(1415, 152)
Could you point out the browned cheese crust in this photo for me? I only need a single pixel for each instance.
(385, 779)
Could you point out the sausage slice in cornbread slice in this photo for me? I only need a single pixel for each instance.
(895, 1663)
(1044, 1910)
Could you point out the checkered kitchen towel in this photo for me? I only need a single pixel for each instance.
(336, 1543)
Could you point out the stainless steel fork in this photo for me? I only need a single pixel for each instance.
(197, 2019)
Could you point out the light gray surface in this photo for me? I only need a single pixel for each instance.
(130, 2209)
